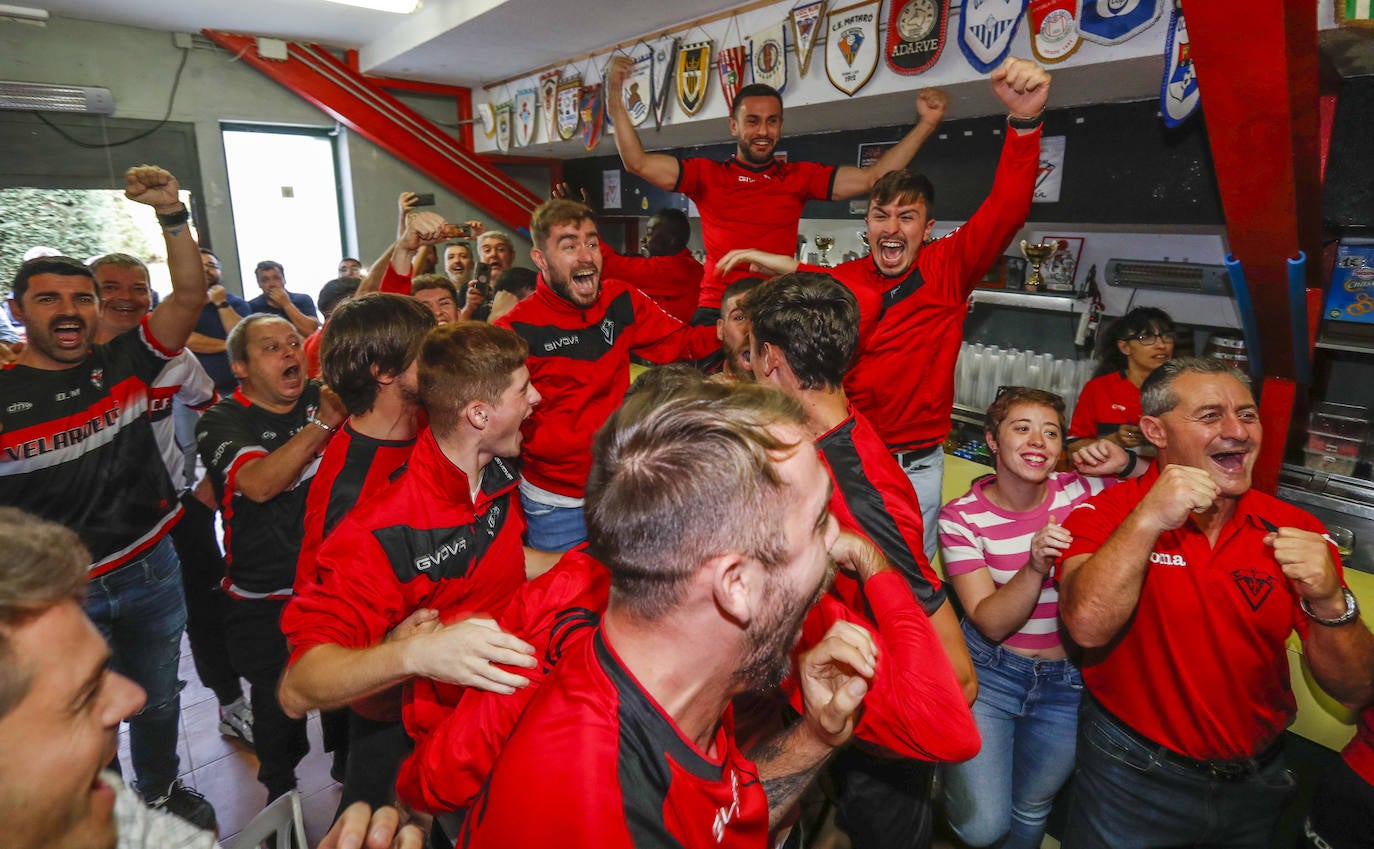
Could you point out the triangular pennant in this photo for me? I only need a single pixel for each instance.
(569, 118)
(665, 57)
(1355, 13)
(593, 115)
(730, 64)
(503, 127)
(1114, 21)
(851, 46)
(548, 100)
(915, 34)
(986, 30)
(768, 54)
(693, 75)
(1178, 93)
(486, 113)
(806, 24)
(1053, 29)
(526, 102)
(638, 90)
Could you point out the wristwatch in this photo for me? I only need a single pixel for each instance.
(1352, 611)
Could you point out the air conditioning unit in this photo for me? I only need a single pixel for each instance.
(1187, 277)
(42, 97)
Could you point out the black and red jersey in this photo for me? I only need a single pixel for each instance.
(672, 281)
(77, 448)
(903, 378)
(353, 467)
(261, 540)
(872, 495)
(580, 363)
(745, 206)
(610, 769)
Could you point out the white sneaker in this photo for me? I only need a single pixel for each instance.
(236, 720)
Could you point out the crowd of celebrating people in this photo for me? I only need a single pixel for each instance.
(537, 602)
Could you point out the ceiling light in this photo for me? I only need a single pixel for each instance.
(399, 7)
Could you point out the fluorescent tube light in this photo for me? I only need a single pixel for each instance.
(398, 7)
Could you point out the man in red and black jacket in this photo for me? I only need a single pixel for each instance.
(581, 329)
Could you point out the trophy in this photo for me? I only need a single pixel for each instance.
(825, 242)
(1037, 254)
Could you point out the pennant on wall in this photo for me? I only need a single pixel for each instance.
(1355, 13)
(593, 116)
(487, 114)
(638, 89)
(730, 64)
(548, 100)
(1114, 21)
(1178, 94)
(915, 34)
(768, 53)
(569, 92)
(661, 80)
(526, 99)
(503, 127)
(693, 74)
(851, 46)
(1053, 29)
(986, 29)
(806, 25)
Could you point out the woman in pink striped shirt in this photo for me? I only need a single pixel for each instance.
(999, 543)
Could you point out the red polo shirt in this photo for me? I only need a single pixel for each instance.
(1202, 667)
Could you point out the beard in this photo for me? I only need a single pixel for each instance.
(565, 288)
(770, 638)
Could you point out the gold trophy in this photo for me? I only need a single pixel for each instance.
(825, 242)
(1036, 254)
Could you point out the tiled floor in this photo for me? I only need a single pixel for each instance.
(225, 770)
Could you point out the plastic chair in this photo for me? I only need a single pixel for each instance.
(282, 819)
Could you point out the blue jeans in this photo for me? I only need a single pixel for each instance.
(550, 528)
(1027, 714)
(141, 611)
(1128, 795)
(927, 477)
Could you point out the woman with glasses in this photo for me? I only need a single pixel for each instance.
(1109, 405)
(1000, 542)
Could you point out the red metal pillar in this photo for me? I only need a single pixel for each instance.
(1257, 71)
(359, 104)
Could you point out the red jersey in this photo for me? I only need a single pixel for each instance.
(1359, 753)
(595, 763)
(1105, 404)
(353, 467)
(903, 379)
(873, 496)
(1202, 666)
(580, 363)
(420, 542)
(672, 281)
(311, 347)
(869, 299)
(744, 206)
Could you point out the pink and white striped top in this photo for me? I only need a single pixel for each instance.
(977, 534)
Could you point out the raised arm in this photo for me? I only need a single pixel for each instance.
(174, 319)
(660, 169)
(852, 181)
(758, 261)
(264, 478)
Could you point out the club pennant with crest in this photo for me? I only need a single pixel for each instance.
(569, 119)
(1053, 29)
(693, 74)
(665, 58)
(986, 30)
(1114, 21)
(526, 102)
(548, 100)
(730, 64)
(638, 90)
(768, 55)
(593, 116)
(486, 113)
(851, 46)
(806, 25)
(1178, 93)
(1355, 13)
(915, 34)
(503, 127)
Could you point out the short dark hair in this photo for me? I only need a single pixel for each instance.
(1013, 395)
(463, 362)
(210, 252)
(905, 186)
(421, 282)
(379, 331)
(265, 265)
(813, 319)
(1137, 321)
(742, 286)
(1157, 395)
(675, 222)
(335, 292)
(555, 213)
(236, 343)
(62, 266)
(518, 281)
(754, 90)
(682, 472)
